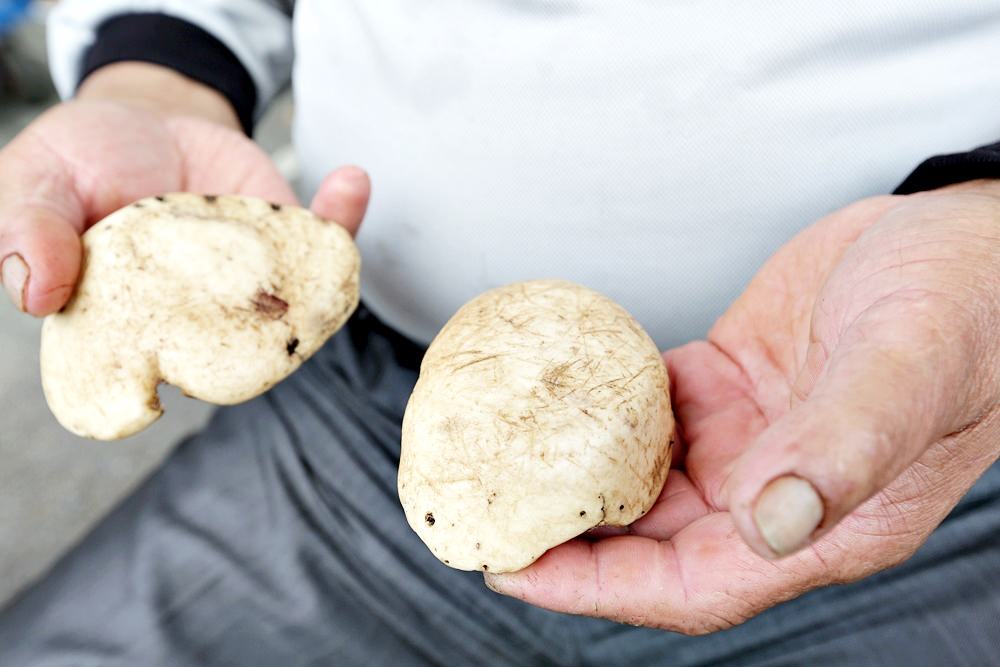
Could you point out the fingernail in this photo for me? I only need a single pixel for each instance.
(787, 512)
(14, 274)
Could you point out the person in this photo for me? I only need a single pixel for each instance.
(834, 499)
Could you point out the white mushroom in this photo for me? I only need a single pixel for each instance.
(542, 410)
(220, 296)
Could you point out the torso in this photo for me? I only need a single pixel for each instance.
(657, 152)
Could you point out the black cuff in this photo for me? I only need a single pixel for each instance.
(942, 170)
(179, 45)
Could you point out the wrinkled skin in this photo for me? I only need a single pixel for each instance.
(86, 158)
(863, 358)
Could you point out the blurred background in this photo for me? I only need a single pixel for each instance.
(53, 485)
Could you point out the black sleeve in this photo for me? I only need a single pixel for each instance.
(179, 45)
(942, 170)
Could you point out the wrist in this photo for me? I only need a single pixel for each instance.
(159, 89)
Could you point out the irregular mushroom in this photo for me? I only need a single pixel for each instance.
(222, 296)
(542, 410)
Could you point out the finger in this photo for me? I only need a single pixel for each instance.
(679, 505)
(892, 387)
(703, 580)
(343, 197)
(627, 579)
(713, 402)
(40, 257)
(40, 222)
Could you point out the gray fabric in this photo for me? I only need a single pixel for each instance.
(275, 537)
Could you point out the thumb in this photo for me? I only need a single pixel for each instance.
(889, 390)
(40, 221)
(343, 197)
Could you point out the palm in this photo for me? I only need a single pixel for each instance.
(141, 153)
(684, 565)
(111, 154)
(87, 158)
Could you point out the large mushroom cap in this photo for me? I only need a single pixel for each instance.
(221, 296)
(542, 410)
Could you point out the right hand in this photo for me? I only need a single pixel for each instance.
(86, 158)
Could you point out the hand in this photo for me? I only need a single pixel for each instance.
(136, 130)
(838, 411)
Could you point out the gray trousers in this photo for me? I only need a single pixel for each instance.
(275, 537)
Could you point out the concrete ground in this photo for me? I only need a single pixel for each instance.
(53, 485)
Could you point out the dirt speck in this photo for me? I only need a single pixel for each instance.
(292, 345)
(558, 377)
(429, 519)
(154, 400)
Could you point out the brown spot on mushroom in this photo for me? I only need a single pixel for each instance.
(583, 512)
(292, 345)
(211, 198)
(429, 518)
(275, 207)
(160, 198)
(270, 305)
(477, 546)
(621, 507)
(139, 205)
(486, 567)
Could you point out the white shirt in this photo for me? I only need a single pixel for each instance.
(658, 152)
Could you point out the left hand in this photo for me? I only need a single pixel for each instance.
(836, 414)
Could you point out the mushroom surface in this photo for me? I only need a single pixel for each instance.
(542, 410)
(222, 296)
